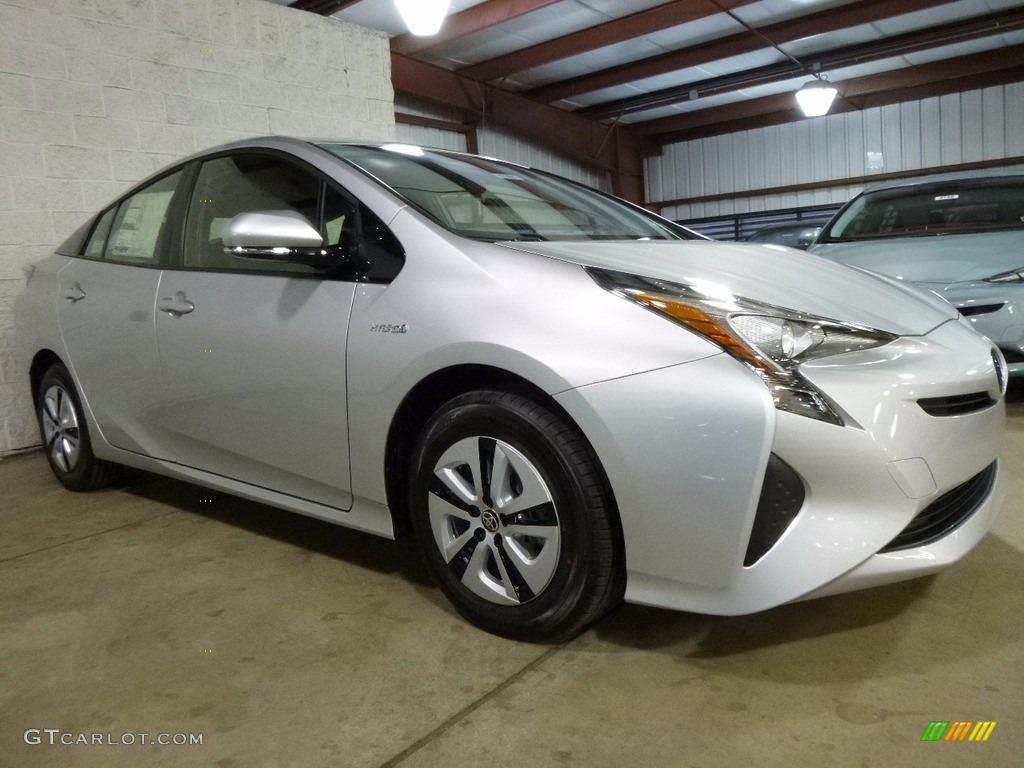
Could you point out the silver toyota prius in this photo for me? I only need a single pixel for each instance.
(566, 400)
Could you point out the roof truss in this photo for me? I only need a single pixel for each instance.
(615, 31)
(884, 48)
(938, 78)
(488, 14)
(862, 12)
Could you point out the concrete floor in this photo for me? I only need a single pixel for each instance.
(161, 607)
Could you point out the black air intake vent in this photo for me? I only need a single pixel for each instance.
(981, 309)
(782, 496)
(956, 405)
(946, 513)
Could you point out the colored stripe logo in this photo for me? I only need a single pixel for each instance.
(958, 730)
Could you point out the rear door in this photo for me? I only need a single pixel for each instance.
(253, 352)
(106, 318)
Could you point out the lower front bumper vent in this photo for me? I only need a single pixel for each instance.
(782, 496)
(946, 513)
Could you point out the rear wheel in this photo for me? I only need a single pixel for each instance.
(65, 434)
(514, 519)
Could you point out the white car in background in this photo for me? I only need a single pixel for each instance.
(960, 235)
(565, 399)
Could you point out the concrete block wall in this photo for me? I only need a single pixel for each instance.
(97, 94)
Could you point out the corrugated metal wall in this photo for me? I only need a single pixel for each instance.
(494, 141)
(428, 137)
(966, 127)
(499, 142)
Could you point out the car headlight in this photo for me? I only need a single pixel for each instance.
(771, 340)
(1013, 276)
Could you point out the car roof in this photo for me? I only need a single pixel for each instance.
(291, 142)
(987, 173)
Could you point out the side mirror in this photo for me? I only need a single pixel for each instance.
(277, 236)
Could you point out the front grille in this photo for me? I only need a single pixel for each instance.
(946, 513)
(981, 309)
(956, 405)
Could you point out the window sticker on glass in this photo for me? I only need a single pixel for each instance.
(140, 226)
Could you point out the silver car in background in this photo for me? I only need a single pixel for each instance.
(792, 234)
(565, 399)
(960, 235)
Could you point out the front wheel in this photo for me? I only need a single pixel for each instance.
(514, 518)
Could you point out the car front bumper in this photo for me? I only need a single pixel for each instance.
(686, 450)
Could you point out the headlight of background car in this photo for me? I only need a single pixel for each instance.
(771, 340)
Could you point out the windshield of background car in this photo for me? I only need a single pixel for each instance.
(939, 208)
(486, 199)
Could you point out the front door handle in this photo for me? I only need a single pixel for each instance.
(177, 306)
(74, 294)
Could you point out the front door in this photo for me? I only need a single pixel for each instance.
(253, 352)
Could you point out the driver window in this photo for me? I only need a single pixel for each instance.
(234, 184)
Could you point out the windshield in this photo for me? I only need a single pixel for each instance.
(490, 200)
(939, 208)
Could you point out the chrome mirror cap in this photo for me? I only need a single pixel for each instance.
(270, 234)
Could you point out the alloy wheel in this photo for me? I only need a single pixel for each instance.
(494, 520)
(60, 428)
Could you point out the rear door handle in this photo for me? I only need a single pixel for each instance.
(177, 306)
(74, 294)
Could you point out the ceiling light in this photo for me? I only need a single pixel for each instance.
(423, 17)
(816, 97)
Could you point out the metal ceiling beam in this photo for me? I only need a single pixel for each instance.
(879, 99)
(883, 48)
(862, 12)
(615, 31)
(964, 73)
(323, 7)
(487, 14)
(608, 147)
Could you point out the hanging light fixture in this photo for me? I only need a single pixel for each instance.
(423, 17)
(816, 97)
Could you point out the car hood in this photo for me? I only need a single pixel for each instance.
(939, 259)
(767, 273)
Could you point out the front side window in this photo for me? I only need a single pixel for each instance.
(139, 224)
(936, 208)
(245, 183)
(490, 200)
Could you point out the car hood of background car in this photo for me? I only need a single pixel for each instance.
(771, 274)
(939, 259)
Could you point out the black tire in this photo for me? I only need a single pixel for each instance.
(65, 434)
(541, 588)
